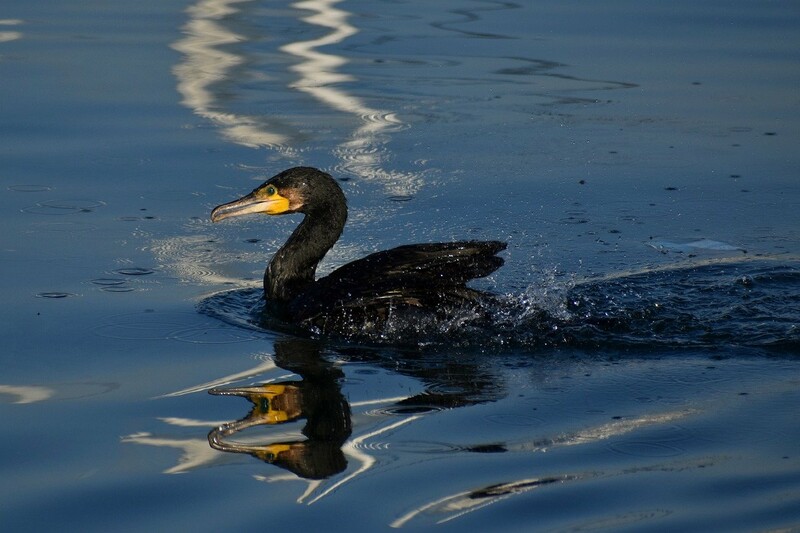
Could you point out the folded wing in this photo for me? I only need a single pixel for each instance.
(416, 275)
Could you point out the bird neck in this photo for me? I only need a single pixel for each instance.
(294, 266)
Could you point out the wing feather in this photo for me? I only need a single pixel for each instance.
(411, 275)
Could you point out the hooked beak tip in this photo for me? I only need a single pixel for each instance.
(242, 206)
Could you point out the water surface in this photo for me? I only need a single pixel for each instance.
(639, 159)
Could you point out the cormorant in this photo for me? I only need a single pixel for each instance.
(362, 295)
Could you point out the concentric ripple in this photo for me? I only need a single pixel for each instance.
(55, 295)
(64, 207)
(135, 271)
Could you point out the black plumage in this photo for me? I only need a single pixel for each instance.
(427, 277)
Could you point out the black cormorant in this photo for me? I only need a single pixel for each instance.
(362, 295)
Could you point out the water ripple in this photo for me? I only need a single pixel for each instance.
(646, 449)
(112, 284)
(135, 271)
(404, 410)
(67, 227)
(63, 207)
(109, 282)
(697, 305)
(55, 295)
(171, 326)
(513, 419)
(29, 188)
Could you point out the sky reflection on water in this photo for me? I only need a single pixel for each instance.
(209, 64)
(645, 152)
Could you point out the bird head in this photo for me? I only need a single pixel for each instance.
(297, 190)
(284, 193)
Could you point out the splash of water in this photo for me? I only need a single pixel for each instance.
(746, 304)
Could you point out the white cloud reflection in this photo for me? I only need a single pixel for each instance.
(196, 453)
(205, 63)
(6, 36)
(456, 505)
(364, 153)
(209, 59)
(27, 393)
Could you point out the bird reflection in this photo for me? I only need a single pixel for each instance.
(317, 398)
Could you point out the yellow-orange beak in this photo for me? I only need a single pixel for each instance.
(252, 203)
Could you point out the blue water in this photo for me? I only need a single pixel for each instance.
(639, 158)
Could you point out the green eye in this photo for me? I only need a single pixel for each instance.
(270, 190)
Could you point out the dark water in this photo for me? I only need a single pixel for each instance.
(640, 370)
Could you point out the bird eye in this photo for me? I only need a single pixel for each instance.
(270, 190)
